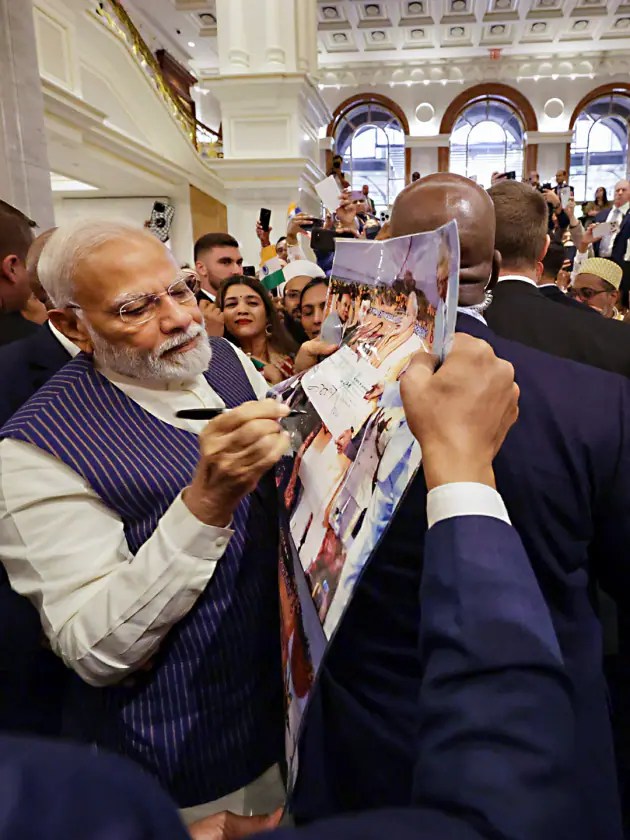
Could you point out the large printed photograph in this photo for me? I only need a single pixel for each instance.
(355, 455)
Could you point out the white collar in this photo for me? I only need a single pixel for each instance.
(546, 285)
(624, 209)
(518, 277)
(69, 346)
(473, 311)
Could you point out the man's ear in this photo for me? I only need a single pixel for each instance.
(67, 322)
(8, 267)
(494, 275)
(201, 270)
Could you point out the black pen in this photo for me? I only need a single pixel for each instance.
(211, 413)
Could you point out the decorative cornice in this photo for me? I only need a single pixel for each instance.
(472, 71)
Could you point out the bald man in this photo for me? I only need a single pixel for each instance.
(561, 474)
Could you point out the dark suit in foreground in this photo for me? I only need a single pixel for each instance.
(32, 678)
(519, 311)
(564, 474)
(53, 791)
(493, 752)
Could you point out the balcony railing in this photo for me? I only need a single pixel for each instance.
(204, 139)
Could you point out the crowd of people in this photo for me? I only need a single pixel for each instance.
(476, 687)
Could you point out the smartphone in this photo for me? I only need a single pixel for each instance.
(511, 176)
(314, 223)
(602, 229)
(265, 218)
(249, 271)
(565, 196)
(356, 195)
(323, 240)
(546, 186)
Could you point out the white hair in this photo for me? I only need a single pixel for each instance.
(72, 243)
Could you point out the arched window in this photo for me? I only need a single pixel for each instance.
(599, 148)
(369, 133)
(487, 138)
(486, 125)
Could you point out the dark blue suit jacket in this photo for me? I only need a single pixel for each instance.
(32, 678)
(493, 740)
(54, 791)
(564, 474)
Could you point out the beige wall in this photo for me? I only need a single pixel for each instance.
(207, 213)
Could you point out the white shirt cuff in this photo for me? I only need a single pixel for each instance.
(188, 535)
(464, 498)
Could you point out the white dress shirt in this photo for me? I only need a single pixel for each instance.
(518, 277)
(104, 610)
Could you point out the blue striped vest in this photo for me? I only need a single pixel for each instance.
(207, 718)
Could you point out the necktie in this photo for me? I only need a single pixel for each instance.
(606, 246)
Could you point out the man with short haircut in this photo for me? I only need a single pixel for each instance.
(519, 311)
(217, 258)
(148, 541)
(597, 285)
(15, 239)
(33, 679)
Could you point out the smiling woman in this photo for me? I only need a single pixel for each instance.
(252, 323)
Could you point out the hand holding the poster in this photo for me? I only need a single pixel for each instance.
(237, 448)
(228, 826)
(312, 352)
(461, 414)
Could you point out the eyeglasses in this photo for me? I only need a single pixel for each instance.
(143, 308)
(585, 292)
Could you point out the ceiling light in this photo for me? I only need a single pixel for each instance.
(426, 82)
(340, 37)
(457, 31)
(443, 81)
(409, 84)
(539, 27)
(458, 6)
(330, 12)
(497, 29)
(622, 23)
(417, 34)
(415, 9)
(580, 25)
(372, 10)
(379, 35)
(191, 43)
(503, 4)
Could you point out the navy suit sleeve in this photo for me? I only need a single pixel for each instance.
(495, 741)
(60, 791)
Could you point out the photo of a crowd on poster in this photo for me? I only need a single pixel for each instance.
(354, 453)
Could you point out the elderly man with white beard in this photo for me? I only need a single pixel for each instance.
(148, 543)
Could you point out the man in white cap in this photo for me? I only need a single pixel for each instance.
(597, 285)
(296, 275)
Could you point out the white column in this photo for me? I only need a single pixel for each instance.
(234, 54)
(24, 169)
